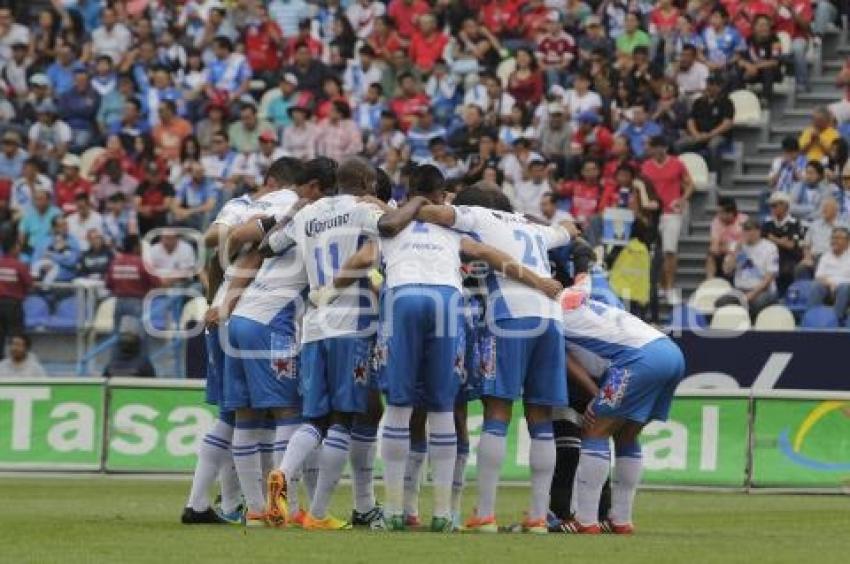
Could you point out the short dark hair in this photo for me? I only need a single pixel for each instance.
(131, 243)
(24, 337)
(285, 171)
(790, 143)
(690, 48)
(248, 106)
(366, 50)
(117, 197)
(727, 204)
(817, 165)
(403, 76)
(224, 42)
(658, 141)
(480, 196)
(342, 107)
(426, 179)
(377, 86)
(322, 170)
(384, 190)
(642, 49)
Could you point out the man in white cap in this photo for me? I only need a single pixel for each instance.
(755, 267)
(787, 233)
(11, 33)
(69, 184)
(274, 108)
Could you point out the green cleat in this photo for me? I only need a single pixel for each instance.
(442, 525)
(395, 523)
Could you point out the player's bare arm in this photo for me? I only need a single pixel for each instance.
(505, 264)
(391, 223)
(357, 266)
(438, 215)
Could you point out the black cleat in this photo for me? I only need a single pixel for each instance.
(373, 519)
(208, 517)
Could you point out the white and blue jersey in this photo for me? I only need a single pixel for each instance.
(262, 359)
(421, 340)
(640, 367)
(233, 213)
(337, 343)
(526, 334)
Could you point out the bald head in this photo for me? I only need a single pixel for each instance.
(357, 177)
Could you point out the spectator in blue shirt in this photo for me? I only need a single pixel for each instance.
(423, 131)
(276, 109)
(12, 156)
(78, 107)
(367, 114)
(55, 260)
(132, 122)
(229, 72)
(61, 72)
(639, 130)
(36, 222)
(723, 43)
(287, 14)
(195, 198)
(112, 105)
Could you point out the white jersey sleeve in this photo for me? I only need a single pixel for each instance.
(233, 212)
(366, 216)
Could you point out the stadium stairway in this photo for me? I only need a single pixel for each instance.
(746, 166)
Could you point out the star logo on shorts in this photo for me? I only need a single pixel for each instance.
(284, 367)
(460, 368)
(360, 373)
(614, 390)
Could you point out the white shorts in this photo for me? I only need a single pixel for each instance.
(670, 227)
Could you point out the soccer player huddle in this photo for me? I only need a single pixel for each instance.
(340, 315)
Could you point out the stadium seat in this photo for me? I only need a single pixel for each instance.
(797, 296)
(88, 158)
(194, 310)
(707, 294)
(103, 318)
(731, 318)
(747, 108)
(698, 169)
(36, 312)
(775, 318)
(64, 318)
(819, 317)
(685, 317)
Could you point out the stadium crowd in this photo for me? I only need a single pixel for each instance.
(122, 117)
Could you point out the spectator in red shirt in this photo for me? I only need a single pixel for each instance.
(69, 184)
(427, 45)
(153, 198)
(384, 39)
(526, 82)
(408, 102)
(585, 194)
(129, 280)
(332, 90)
(406, 14)
(556, 50)
(263, 40)
(304, 38)
(501, 17)
(674, 187)
(619, 155)
(15, 283)
(795, 18)
(534, 19)
(663, 21)
(592, 139)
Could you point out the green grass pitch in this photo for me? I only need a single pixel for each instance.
(107, 519)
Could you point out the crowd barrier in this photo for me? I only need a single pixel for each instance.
(739, 438)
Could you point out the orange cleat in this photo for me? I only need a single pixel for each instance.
(575, 528)
(482, 524)
(609, 526)
(277, 508)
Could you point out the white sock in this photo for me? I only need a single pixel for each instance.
(303, 444)
(284, 430)
(213, 454)
(413, 477)
(541, 460)
(248, 462)
(364, 446)
(395, 445)
(459, 477)
(231, 492)
(332, 460)
(491, 452)
(624, 484)
(310, 473)
(442, 450)
(267, 456)
(593, 467)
